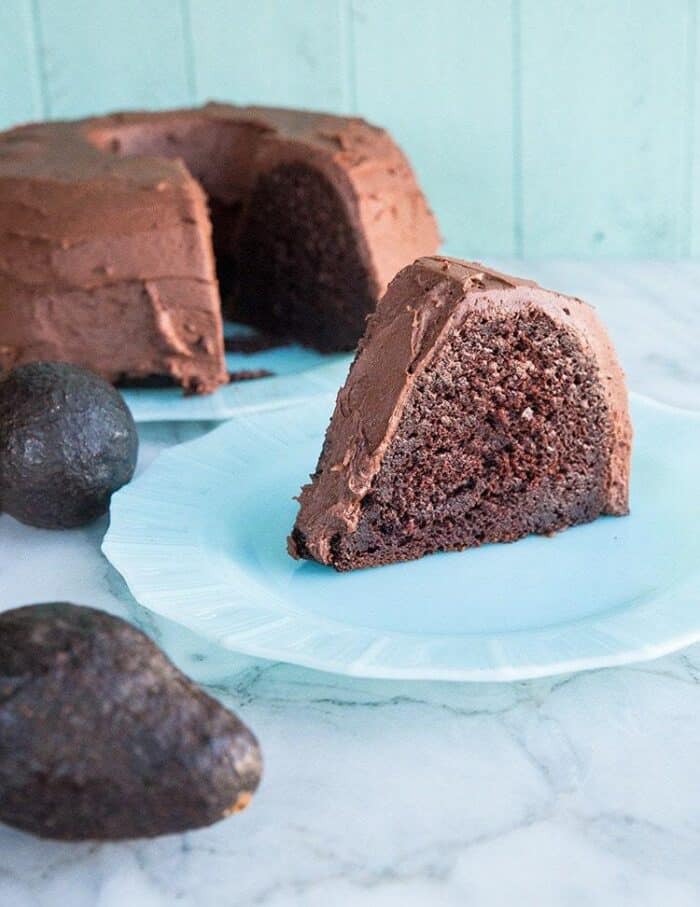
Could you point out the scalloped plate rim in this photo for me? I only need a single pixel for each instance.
(628, 652)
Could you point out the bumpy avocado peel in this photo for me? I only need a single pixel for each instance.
(67, 443)
(103, 738)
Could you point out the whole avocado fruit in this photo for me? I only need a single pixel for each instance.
(67, 443)
(103, 738)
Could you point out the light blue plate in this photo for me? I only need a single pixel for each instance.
(200, 539)
(299, 375)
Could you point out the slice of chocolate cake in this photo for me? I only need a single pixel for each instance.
(480, 408)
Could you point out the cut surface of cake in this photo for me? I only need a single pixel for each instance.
(479, 408)
(119, 236)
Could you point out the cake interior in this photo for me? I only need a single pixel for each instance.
(505, 433)
(301, 273)
(287, 258)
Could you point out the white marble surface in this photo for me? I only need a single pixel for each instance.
(577, 790)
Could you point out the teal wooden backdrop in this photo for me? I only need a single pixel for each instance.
(538, 127)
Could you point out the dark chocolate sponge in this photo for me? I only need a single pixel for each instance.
(103, 738)
(67, 442)
(480, 408)
(303, 277)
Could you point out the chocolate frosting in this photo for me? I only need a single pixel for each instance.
(105, 240)
(424, 304)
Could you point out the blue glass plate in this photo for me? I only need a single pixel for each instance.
(299, 374)
(200, 539)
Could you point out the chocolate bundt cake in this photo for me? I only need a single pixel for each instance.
(479, 408)
(106, 254)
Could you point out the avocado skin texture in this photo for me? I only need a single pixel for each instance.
(67, 443)
(103, 738)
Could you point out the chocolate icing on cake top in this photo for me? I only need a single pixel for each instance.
(95, 158)
(425, 303)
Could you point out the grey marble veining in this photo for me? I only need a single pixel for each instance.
(581, 789)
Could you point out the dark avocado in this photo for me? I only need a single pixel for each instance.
(103, 738)
(67, 443)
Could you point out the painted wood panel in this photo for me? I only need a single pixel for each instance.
(20, 84)
(537, 127)
(693, 175)
(441, 78)
(103, 55)
(267, 52)
(604, 127)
